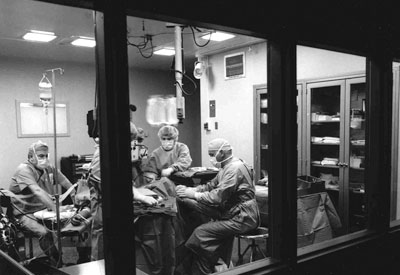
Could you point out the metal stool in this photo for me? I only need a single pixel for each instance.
(253, 236)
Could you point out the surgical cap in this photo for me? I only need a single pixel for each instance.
(37, 146)
(216, 144)
(168, 131)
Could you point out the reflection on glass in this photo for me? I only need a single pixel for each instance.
(71, 150)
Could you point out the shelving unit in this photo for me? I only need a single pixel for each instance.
(261, 145)
(71, 166)
(335, 146)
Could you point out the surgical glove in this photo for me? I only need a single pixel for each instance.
(180, 190)
(149, 200)
(167, 172)
(188, 192)
(180, 187)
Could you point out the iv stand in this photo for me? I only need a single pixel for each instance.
(55, 180)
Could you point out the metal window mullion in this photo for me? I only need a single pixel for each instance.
(116, 174)
(378, 137)
(282, 159)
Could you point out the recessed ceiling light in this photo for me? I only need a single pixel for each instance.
(217, 36)
(165, 51)
(39, 36)
(84, 42)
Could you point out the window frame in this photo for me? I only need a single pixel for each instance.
(282, 77)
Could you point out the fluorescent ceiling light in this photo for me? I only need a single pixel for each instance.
(165, 51)
(217, 36)
(84, 42)
(39, 36)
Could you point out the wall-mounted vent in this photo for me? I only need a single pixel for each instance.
(234, 65)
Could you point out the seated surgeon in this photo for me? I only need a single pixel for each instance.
(228, 203)
(170, 157)
(33, 180)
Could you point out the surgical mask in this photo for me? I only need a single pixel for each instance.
(42, 162)
(213, 160)
(167, 145)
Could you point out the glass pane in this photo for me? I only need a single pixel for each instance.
(334, 134)
(44, 75)
(223, 87)
(395, 198)
(357, 199)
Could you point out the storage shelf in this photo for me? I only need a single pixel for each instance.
(357, 191)
(332, 189)
(325, 166)
(357, 168)
(340, 101)
(324, 121)
(329, 144)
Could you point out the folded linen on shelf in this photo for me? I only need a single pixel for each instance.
(358, 142)
(329, 161)
(329, 140)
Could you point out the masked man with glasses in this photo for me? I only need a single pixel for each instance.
(33, 181)
(222, 208)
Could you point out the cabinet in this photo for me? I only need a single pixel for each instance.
(335, 145)
(72, 168)
(261, 101)
(261, 130)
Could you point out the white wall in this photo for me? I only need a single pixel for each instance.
(234, 101)
(143, 84)
(19, 81)
(234, 98)
(317, 63)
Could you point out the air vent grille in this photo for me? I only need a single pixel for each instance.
(234, 65)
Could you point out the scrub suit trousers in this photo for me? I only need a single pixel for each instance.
(212, 237)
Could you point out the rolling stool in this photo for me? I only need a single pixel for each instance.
(253, 236)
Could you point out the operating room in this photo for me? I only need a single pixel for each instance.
(207, 90)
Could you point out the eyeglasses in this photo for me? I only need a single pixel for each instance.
(42, 156)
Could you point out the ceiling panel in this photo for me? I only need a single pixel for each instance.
(19, 16)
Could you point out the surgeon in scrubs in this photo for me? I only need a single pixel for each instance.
(96, 203)
(227, 203)
(170, 157)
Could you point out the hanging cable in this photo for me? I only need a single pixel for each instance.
(194, 36)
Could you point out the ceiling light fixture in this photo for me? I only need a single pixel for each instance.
(39, 36)
(83, 41)
(217, 36)
(165, 51)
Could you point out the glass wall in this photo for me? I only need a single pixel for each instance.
(206, 88)
(334, 132)
(42, 66)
